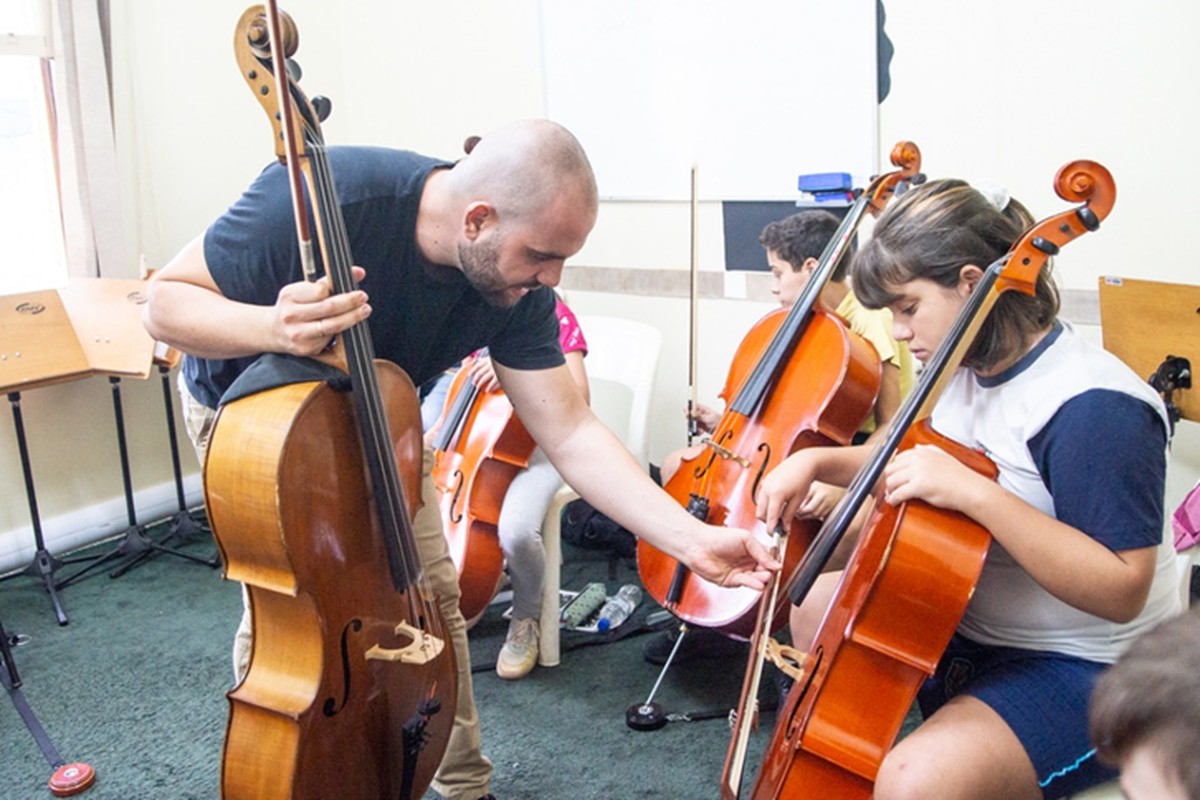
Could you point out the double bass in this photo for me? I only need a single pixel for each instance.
(310, 485)
(908, 581)
(799, 379)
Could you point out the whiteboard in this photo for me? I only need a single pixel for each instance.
(753, 92)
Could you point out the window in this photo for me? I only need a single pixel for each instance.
(31, 232)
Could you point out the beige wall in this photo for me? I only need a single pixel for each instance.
(1004, 92)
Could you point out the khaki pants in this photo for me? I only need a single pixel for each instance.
(464, 772)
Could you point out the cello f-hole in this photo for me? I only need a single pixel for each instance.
(765, 447)
(456, 514)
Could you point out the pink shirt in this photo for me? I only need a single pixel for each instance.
(570, 335)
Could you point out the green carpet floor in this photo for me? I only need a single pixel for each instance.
(134, 686)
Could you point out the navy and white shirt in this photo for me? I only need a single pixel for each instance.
(1076, 434)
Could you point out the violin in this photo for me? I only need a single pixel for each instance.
(799, 379)
(351, 686)
(908, 581)
(480, 447)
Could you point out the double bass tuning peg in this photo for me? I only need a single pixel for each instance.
(293, 70)
(323, 106)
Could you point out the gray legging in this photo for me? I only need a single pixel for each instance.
(520, 532)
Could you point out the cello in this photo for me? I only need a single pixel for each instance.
(480, 446)
(351, 686)
(799, 379)
(909, 579)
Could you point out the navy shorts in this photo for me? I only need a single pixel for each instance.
(1042, 696)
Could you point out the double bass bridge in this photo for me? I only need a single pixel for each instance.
(422, 648)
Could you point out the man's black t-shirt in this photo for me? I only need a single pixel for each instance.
(424, 317)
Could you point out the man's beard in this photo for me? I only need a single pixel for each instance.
(480, 264)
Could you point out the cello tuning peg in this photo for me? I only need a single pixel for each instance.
(293, 70)
(323, 106)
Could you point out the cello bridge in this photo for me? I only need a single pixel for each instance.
(789, 660)
(726, 453)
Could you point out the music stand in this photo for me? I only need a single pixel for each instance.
(38, 347)
(1145, 322)
(107, 315)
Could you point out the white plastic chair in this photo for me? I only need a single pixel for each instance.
(621, 363)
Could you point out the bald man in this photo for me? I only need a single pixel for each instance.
(451, 258)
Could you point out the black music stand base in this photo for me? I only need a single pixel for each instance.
(43, 566)
(183, 526)
(136, 546)
(134, 542)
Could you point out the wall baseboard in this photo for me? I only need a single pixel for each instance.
(94, 524)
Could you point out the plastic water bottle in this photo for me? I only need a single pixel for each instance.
(618, 609)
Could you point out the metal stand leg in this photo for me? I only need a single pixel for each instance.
(12, 682)
(184, 526)
(134, 542)
(44, 564)
(68, 779)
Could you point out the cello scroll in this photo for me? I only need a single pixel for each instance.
(1079, 181)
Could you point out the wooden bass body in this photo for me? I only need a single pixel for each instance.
(338, 701)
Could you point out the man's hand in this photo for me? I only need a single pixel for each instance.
(731, 557)
(307, 315)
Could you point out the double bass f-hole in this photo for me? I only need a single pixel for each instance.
(332, 706)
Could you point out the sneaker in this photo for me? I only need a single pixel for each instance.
(520, 650)
(698, 643)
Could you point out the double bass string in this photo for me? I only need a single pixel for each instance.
(360, 355)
